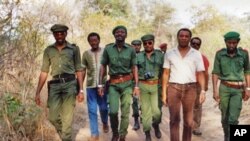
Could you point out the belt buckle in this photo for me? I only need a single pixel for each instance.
(62, 80)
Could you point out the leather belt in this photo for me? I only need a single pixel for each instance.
(183, 85)
(149, 82)
(231, 84)
(62, 78)
(120, 78)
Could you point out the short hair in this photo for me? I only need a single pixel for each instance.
(197, 38)
(93, 34)
(184, 29)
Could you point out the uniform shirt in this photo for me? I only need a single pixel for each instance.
(183, 69)
(152, 65)
(91, 61)
(68, 60)
(231, 68)
(119, 62)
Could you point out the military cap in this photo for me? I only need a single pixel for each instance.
(147, 37)
(119, 27)
(232, 35)
(135, 42)
(58, 28)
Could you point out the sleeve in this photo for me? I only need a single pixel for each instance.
(199, 62)
(216, 68)
(84, 60)
(77, 57)
(105, 59)
(205, 62)
(166, 61)
(133, 56)
(247, 64)
(46, 62)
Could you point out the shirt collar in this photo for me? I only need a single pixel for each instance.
(238, 53)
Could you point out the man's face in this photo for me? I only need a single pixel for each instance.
(94, 42)
(120, 35)
(183, 38)
(148, 45)
(231, 45)
(196, 44)
(60, 37)
(137, 47)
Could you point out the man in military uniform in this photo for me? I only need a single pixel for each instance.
(149, 64)
(121, 60)
(65, 61)
(232, 68)
(136, 44)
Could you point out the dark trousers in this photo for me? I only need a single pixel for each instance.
(181, 95)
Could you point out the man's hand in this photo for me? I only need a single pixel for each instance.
(80, 97)
(202, 97)
(38, 100)
(164, 100)
(246, 95)
(216, 96)
(100, 91)
(136, 92)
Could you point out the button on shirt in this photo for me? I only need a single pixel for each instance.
(231, 68)
(68, 60)
(91, 61)
(119, 62)
(183, 69)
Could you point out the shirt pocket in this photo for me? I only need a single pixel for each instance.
(239, 63)
(225, 66)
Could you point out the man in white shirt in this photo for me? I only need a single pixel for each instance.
(179, 84)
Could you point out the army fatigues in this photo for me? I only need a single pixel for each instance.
(149, 87)
(62, 88)
(230, 69)
(120, 66)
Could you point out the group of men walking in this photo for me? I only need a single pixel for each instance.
(150, 78)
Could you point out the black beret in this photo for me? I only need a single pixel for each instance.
(147, 37)
(58, 28)
(134, 42)
(119, 27)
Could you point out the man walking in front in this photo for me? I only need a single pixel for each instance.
(65, 61)
(149, 64)
(121, 60)
(91, 63)
(232, 68)
(179, 84)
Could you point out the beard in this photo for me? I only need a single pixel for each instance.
(231, 50)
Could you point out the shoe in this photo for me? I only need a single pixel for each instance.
(122, 138)
(137, 124)
(197, 132)
(105, 128)
(157, 131)
(148, 136)
(93, 138)
(115, 138)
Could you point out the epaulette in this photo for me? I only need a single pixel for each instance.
(128, 44)
(157, 50)
(243, 49)
(222, 49)
(109, 44)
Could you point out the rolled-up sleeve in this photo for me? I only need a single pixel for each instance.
(78, 64)
(216, 68)
(46, 62)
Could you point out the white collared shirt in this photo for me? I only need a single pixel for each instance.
(183, 69)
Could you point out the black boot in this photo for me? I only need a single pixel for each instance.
(157, 131)
(115, 137)
(148, 136)
(137, 124)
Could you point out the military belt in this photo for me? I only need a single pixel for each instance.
(236, 85)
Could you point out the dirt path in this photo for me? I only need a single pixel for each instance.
(211, 126)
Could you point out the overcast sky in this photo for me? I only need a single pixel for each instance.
(230, 7)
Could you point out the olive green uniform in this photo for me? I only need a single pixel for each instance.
(62, 95)
(120, 63)
(230, 69)
(149, 96)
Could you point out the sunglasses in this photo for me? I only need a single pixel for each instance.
(147, 43)
(198, 44)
